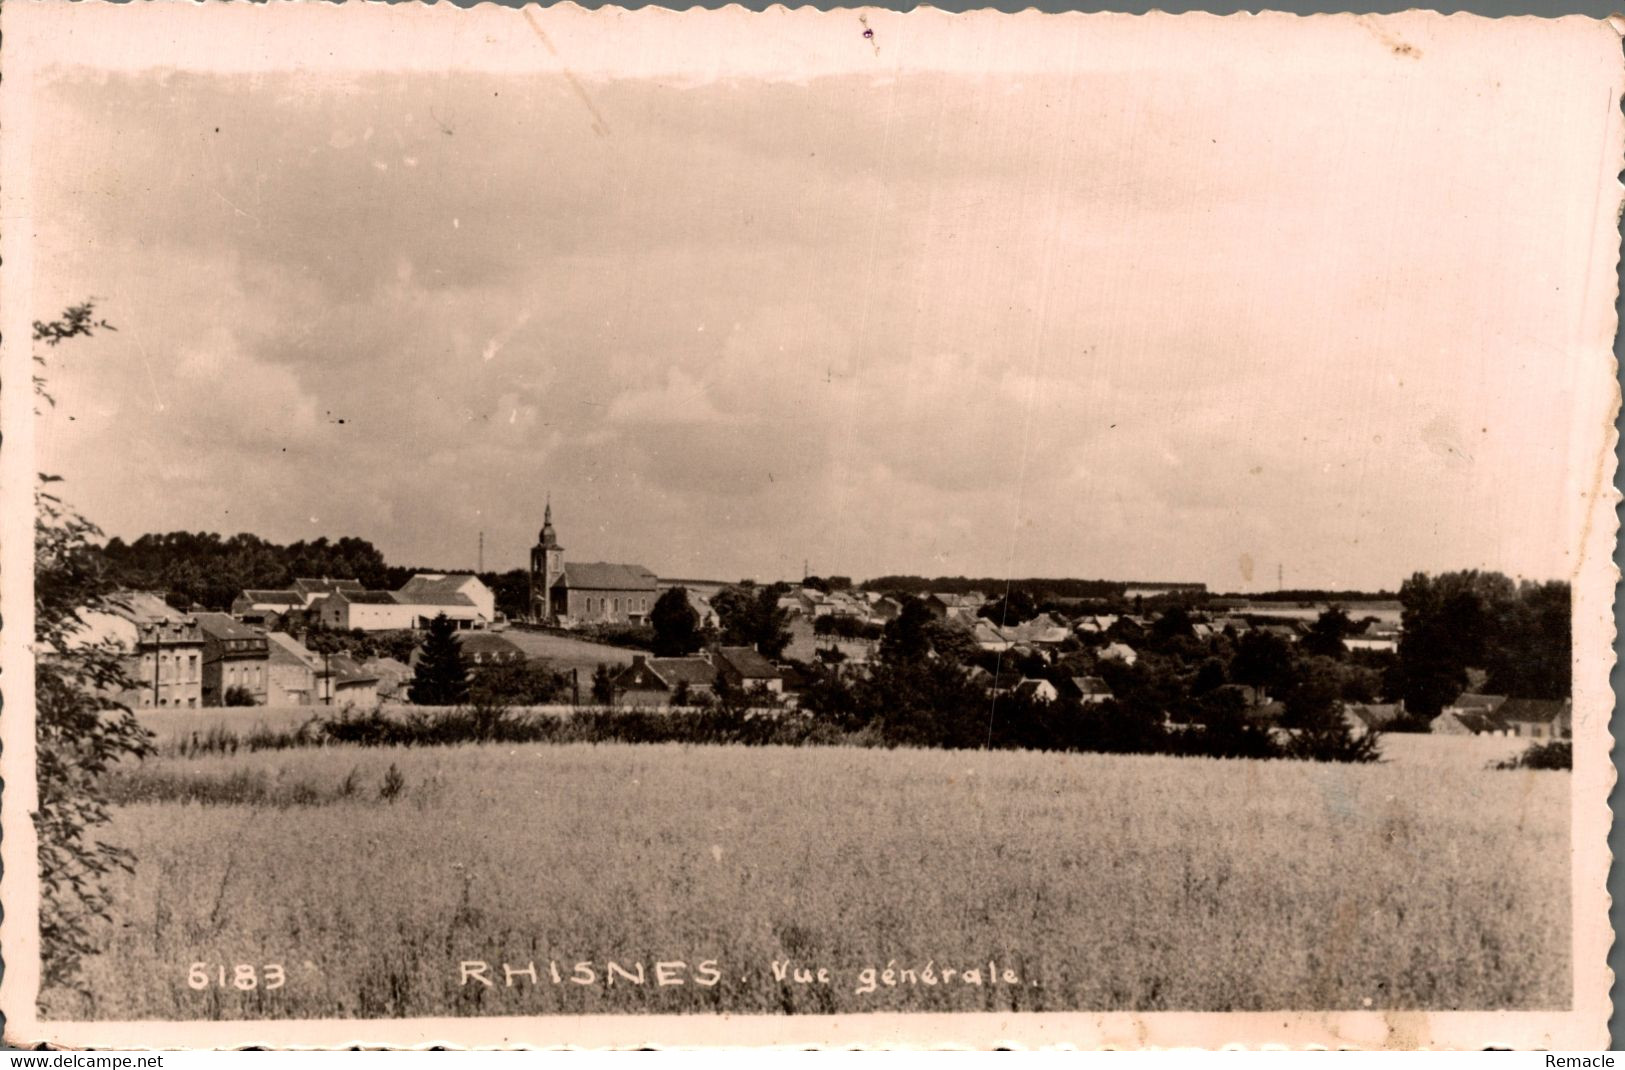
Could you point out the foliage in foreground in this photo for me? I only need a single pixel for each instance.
(81, 730)
(1557, 754)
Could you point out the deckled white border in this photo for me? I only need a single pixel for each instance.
(703, 45)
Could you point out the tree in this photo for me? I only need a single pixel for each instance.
(1175, 623)
(750, 616)
(676, 624)
(1326, 635)
(441, 677)
(523, 683)
(1450, 623)
(603, 686)
(238, 696)
(1016, 607)
(1262, 660)
(906, 638)
(81, 728)
(1314, 713)
(952, 641)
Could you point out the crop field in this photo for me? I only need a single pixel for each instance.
(483, 880)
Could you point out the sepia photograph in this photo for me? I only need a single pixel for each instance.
(623, 528)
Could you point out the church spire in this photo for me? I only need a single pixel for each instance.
(547, 537)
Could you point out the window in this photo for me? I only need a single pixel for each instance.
(617, 605)
(191, 703)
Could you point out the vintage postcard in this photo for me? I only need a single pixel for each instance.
(618, 528)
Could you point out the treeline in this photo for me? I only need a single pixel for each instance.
(210, 570)
(1312, 594)
(1036, 588)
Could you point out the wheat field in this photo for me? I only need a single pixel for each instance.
(1062, 882)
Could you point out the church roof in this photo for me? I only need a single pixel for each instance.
(600, 576)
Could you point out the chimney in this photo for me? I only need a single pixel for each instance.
(639, 661)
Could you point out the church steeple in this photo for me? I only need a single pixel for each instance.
(547, 538)
(546, 566)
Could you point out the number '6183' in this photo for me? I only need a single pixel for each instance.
(243, 976)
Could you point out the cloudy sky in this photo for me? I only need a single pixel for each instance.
(1138, 312)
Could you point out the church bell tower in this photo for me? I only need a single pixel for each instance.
(546, 566)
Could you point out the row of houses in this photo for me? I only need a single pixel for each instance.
(185, 660)
(650, 683)
(345, 604)
(1473, 714)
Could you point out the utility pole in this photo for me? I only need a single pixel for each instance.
(482, 553)
(1280, 577)
(327, 674)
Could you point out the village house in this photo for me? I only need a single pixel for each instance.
(268, 609)
(884, 608)
(1038, 690)
(990, 636)
(1364, 718)
(393, 676)
(659, 682)
(703, 610)
(341, 681)
(290, 673)
(368, 611)
(164, 649)
(1086, 689)
(235, 657)
(955, 606)
(743, 669)
(1458, 722)
(1534, 718)
(312, 590)
(588, 593)
(1119, 652)
(483, 649)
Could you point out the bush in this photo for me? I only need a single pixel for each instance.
(238, 696)
(1558, 754)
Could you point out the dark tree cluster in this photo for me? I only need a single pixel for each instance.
(750, 616)
(208, 570)
(1519, 634)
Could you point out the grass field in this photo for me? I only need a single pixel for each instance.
(1098, 882)
(563, 653)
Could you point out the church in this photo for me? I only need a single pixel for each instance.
(590, 593)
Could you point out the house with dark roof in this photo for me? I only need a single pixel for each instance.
(1364, 718)
(955, 606)
(235, 656)
(658, 682)
(482, 649)
(744, 669)
(1462, 722)
(595, 592)
(341, 681)
(1038, 690)
(1086, 689)
(1536, 718)
(269, 609)
(309, 590)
